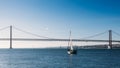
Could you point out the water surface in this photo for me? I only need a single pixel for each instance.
(58, 58)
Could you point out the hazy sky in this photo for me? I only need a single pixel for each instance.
(54, 18)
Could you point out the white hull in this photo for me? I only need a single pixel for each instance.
(69, 52)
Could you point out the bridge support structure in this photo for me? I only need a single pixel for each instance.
(110, 39)
(10, 37)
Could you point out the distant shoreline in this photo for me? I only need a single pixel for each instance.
(114, 46)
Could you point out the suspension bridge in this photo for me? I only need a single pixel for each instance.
(11, 39)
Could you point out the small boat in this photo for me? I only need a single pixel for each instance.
(71, 50)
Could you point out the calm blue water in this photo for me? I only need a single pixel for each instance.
(58, 58)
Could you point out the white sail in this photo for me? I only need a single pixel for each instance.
(108, 47)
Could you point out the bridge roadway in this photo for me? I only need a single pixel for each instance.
(76, 40)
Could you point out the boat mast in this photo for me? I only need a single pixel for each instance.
(70, 41)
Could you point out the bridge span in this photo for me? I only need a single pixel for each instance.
(75, 40)
(44, 38)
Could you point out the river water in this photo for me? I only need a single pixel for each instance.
(58, 58)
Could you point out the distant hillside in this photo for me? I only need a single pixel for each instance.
(115, 46)
(105, 46)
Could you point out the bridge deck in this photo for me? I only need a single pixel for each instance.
(76, 40)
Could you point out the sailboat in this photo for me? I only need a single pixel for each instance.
(71, 50)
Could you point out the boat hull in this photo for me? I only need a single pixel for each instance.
(72, 52)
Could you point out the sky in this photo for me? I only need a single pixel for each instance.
(55, 18)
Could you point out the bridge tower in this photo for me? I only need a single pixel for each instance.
(10, 37)
(110, 39)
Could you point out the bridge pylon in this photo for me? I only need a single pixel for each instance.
(10, 37)
(110, 39)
